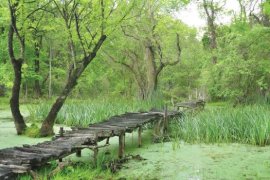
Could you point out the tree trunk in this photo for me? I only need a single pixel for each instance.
(210, 11)
(17, 66)
(50, 73)
(151, 71)
(48, 123)
(14, 101)
(213, 41)
(37, 88)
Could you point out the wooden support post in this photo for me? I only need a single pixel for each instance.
(140, 136)
(78, 152)
(95, 156)
(165, 119)
(95, 150)
(124, 140)
(61, 131)
(121, 150)
(108, 140)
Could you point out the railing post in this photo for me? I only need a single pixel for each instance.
(61, 131)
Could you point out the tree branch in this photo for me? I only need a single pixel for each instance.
(37, 9)
(173, 63)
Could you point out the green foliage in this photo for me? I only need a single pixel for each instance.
(74, 170)
(248, 125)
(243, 69)
(242, 52)
(5, 75)
(266, 7)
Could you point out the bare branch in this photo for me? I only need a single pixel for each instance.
(129, 35)
(119, 62)
(13, 24)
(92, 55)
(78, 32)
(38, 9)
(102, 27)
(178, 59)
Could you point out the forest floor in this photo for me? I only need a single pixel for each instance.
(170, 160)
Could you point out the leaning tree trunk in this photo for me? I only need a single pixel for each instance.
(14, 101)
(15, 96)
(48, 123)
(47, 126)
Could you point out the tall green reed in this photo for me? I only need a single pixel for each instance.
(82, 113)
(248, 124)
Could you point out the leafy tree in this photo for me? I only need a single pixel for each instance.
(86, 24)
(147, 44)
(20, 12)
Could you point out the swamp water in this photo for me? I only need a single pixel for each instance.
(169, 160)
(189, 161)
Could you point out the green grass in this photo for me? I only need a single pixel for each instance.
(84, 112)
(75, 170)
(248, 124)
(32, 131)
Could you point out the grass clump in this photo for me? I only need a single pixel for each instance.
(82, 171)
(82, 113)
(249, 125)
(32, 131)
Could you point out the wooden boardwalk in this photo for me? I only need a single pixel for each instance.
(23, 159)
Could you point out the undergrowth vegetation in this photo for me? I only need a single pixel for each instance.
(82, 113)
(75, 170)
(248, 125)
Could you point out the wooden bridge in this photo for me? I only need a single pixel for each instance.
(23, 159)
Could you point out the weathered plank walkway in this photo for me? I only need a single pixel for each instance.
(17, 160)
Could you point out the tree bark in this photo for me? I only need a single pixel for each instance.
(210, 12)
(47, 125)
(14, 101)
(37, 87)
(50, 72)
(151, 71)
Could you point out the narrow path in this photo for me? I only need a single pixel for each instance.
(23, 159)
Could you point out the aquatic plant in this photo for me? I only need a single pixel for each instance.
(82, 113)
(248, 124)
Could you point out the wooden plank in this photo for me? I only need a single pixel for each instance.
(80, 134)
(32, 157)
(98, 127)
(15, 168)
(6, 173)
(52, 151)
